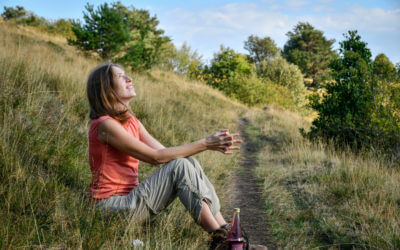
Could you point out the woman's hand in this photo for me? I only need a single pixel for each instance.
(222, 141)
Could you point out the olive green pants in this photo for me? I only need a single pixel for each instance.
(183, 178)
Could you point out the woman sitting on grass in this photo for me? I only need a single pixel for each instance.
(118, 141)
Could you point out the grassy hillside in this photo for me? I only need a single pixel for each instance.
(315, 196)
(44, 172)
(319, 198)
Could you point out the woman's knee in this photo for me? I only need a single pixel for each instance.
(196, 164)
(181, 164)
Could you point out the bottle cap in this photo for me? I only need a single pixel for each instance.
(237, 210)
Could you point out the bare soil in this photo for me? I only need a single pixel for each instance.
(245, 193)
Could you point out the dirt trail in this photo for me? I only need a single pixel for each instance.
(244, 192)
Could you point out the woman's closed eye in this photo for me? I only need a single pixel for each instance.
(123, 76)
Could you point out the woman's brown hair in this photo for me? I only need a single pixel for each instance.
(103, 99)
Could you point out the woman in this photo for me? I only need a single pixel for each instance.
(118, 141)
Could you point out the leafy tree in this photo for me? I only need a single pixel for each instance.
(226, 65)
(279, 71)
(260, 49)
(398, 71)
(127, 35)
(104, 31)
(353, 111)
(186, 61)
(383, 68)
(22, 16)
(147, 46)
(14, 13)
(231, 73)
(309, 50)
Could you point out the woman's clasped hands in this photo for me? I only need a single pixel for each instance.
(223, 141)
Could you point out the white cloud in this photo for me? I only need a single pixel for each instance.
(231, 24)
(373, 20)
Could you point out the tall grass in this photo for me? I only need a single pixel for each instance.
(317, 197)
(44, 172)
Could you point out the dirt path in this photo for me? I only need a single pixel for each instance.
(245, 193)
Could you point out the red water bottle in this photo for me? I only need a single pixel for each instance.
(235, 239)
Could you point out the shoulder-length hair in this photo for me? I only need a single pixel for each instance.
(102, 97)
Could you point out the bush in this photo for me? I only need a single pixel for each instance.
(248, 89)
(22, 16)
(278, 70)
(226, 68)
(231, 73)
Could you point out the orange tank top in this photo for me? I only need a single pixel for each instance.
(113, 172)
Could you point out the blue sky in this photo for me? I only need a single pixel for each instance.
(207, 24)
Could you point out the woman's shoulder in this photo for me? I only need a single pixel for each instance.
(95, 122)
(133, 120)
(102, 118)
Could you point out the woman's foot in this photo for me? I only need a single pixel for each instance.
(218, 238)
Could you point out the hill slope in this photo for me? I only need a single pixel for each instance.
(44, 173)
(314, 196)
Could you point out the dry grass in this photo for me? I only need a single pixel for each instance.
(319, 198)
(44, 173)
(315, 196)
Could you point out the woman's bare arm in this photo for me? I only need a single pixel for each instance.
(112, 133)
(148, 139)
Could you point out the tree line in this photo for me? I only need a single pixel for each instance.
(358, 103)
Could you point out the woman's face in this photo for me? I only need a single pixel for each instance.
(122, 84)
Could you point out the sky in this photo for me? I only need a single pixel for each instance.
(205, 25)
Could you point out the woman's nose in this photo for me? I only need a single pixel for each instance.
(128, 79)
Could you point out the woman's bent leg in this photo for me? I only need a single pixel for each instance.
(181, 177)
(207, 220)
(216, 205)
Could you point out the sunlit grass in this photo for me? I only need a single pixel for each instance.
(44, 170)
(319, 197)
(315, 196)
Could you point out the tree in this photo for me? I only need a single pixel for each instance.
(353, 111)
(14, 13)
(383, 68)
(148, 46)
(226, 65)
(398, 71)
(105, 31)
(22, 16)
(126, 35)
(260, 49)
(309, 50)
(186, 61)
(231, 73)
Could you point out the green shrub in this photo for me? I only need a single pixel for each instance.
(248, 89)
(278, 70)
(383, 68)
